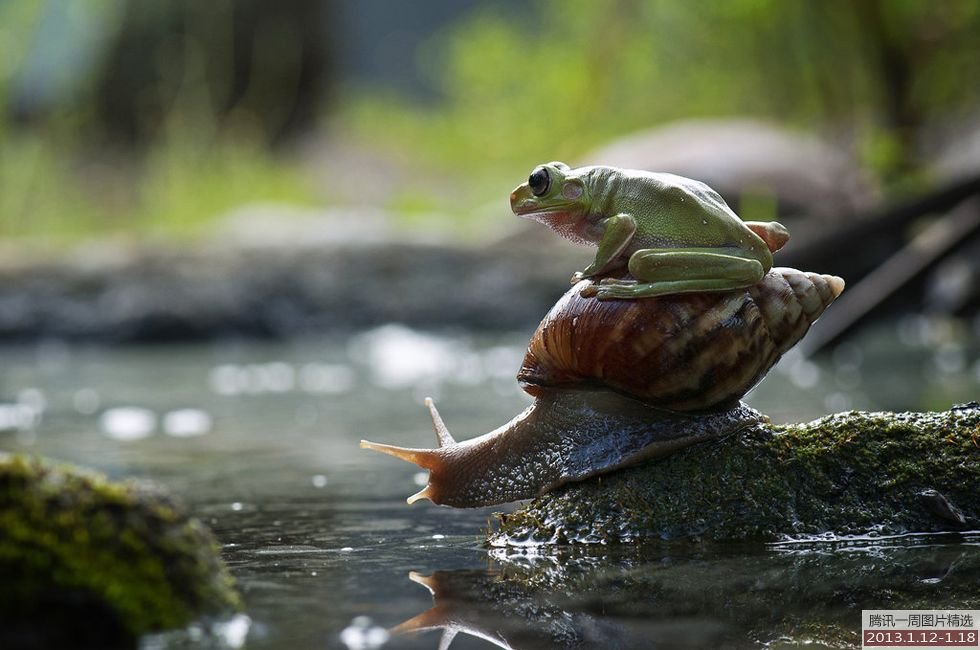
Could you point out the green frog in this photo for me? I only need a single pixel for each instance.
(673, 234)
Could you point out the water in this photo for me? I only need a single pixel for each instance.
(261, 441)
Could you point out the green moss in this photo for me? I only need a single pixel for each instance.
(850, 473)
(73, 543)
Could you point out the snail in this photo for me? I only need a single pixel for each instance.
(616, 382)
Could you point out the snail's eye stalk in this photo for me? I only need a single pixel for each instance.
(539, 181)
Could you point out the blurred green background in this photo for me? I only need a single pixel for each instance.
(154, 119)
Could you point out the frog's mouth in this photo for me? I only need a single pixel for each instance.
(550, 217)
(527, 205)
(531, 208)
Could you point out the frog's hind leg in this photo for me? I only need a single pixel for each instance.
(662, 272)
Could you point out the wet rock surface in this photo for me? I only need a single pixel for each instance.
(86, 562)
(851, 473)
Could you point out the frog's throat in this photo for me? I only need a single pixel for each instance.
(570, 225)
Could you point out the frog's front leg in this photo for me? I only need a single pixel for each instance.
(617, 232)
(662, 271)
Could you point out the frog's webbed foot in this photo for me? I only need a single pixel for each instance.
(597, 287)
(772, 232)
(611, 289)
(623, 291)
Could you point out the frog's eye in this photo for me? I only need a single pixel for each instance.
(539, 181)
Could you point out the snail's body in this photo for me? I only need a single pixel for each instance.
(565, 436)
(617, 382)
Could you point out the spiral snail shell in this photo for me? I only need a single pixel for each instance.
(619, 381)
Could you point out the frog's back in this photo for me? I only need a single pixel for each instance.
(671, 210)
(684, 189)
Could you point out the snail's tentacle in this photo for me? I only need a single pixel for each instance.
(425, 458)
(442, 433)
(431, 459)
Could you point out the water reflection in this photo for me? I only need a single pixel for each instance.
(696, 595)
(261, 441)
(486, 605)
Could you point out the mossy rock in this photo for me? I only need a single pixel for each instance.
(98, 563)
(851, 473)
